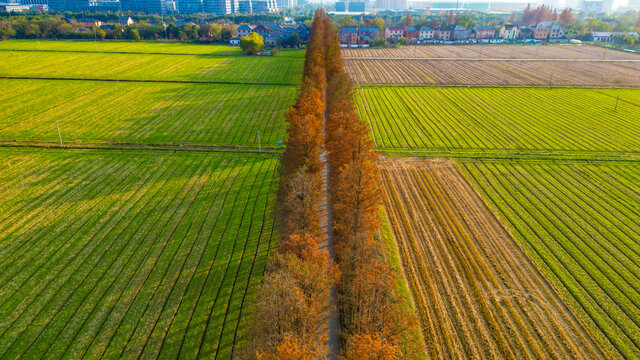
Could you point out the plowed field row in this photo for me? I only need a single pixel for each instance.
(479, 296)
(143, 113)
(582, 224)
(512, 73)
(526, 119)
(130, 254)
(494, 52)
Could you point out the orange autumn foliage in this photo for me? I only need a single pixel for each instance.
(291, 348)
(370, 347)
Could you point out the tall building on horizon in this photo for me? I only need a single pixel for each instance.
(221, 7)
(146, 6)
(190, 6)
(285, 4)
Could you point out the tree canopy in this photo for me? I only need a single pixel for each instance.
(252, 43)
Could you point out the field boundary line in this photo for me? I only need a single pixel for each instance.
(492, 59)
(9, 77)
(506, 86)
(271, 151)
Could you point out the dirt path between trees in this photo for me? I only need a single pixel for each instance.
(477, 293)
(333, 325)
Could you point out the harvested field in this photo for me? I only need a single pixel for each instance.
(484, 72)
(581, 222)
(513, 119)
(493, 52)
(477, 293)
(131, 254)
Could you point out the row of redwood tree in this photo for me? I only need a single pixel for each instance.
(291, 317)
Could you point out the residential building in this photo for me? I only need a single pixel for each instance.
(411, 33)
(484, 32)
(244, 30)
(393, 32)
(525, 33)
(349, 35)
(88, 22)
(359, 34)
(443, 34)
(547, 30)
(304, 31)
(425, 33)
(510, 31)
(125, 21)
(612, 37)
(458, 32)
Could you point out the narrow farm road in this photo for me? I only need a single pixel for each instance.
(333, 325)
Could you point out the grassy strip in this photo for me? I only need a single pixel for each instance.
(413, 341)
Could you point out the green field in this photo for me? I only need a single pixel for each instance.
(581, 223)
(170, 47)
(143, 113)
(527, 120)
(235, 69)
(121, 254)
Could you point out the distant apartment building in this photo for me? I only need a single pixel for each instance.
(221, 7)
(190, 6)
(285, 4)
(145, 6)
(391, 4)
(264, 6)
(245, 6)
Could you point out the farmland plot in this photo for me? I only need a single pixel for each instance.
(581, 222)
(143, 113)
(154, 47)
(126, 254)
(477, 292)
(493, 119)
(241, 69)
(493, 52)
(485, 72)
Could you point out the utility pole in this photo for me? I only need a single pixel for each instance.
(259, 146)
(550, 78)
(59, 136)
(617, 99)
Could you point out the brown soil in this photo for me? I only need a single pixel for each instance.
(493, 73)
(477, 293)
